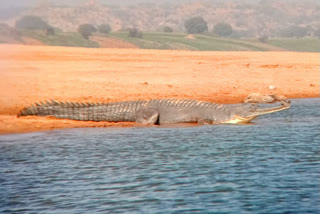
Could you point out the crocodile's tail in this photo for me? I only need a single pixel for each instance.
(120, 111)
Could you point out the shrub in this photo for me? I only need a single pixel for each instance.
(222, 29)
(167, 29)
(263, 38)
(86, 30)
(104, 28)
(50, 31)
(134, 32)
(196, 25)
(31, 23)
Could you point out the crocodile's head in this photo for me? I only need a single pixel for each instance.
(246, 113)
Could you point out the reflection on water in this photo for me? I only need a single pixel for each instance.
(272, 166)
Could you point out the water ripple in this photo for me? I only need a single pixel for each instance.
(272, 166)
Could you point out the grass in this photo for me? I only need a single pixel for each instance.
(307, 44)
(179, 41)
(61, 39)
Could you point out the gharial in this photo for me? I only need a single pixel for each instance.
(157, 111)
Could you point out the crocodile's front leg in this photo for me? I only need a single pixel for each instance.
(147, 116)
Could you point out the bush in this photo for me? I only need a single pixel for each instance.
(31, 23)
(167, 29)
(50, 31)
(196, 25)
(104, 28)
(222, 29)
(134, 32)
(263, 38)
(86, 30)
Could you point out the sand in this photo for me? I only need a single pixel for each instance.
(35, 73)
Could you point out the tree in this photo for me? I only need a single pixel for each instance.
(196, 25)
(31, 23)
(50, 31)
(222, 29)
(167, 29)
(134, 32)
(104, 28)
(86, 30)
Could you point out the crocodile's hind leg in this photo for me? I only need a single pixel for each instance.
(147, 116)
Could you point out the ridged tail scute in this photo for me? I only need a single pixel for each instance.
(113, 112)
(43, 108)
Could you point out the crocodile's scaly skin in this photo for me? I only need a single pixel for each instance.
(161, 110)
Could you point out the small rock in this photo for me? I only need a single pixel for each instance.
(272, 87)
(259, 98)
(264, 98)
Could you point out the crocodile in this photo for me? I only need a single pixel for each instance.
(156, 111)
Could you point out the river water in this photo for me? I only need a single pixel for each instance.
(272, 166)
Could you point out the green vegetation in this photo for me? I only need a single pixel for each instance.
(134, 33)
(306, 44)
(61, 39)
(182, 42)
(170, 41)
(222, 29)
(196, 25)
(31, 23)
(167, 29)
(104, 28)
(86, 30)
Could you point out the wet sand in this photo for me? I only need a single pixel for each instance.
(35, 73)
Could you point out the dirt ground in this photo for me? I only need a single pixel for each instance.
(35, 73)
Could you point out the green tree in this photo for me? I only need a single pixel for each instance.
(31, 23)
(50, 31)
(196, 25)
(134, 32)
(222, 29)
(86, 30)
(167, 29)
(104, 28)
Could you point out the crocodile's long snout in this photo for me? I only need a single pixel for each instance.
(258, 111)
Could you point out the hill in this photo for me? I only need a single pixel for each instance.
(248, 18)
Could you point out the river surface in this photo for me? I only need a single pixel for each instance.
(272, 166)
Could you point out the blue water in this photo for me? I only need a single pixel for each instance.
(272, 166)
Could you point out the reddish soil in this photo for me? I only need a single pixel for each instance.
(35, 73)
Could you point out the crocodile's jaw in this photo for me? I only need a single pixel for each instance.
(239, 120)
(252, 115)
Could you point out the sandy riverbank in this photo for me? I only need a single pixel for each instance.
(35, 73)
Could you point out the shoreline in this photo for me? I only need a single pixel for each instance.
(37, 73)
